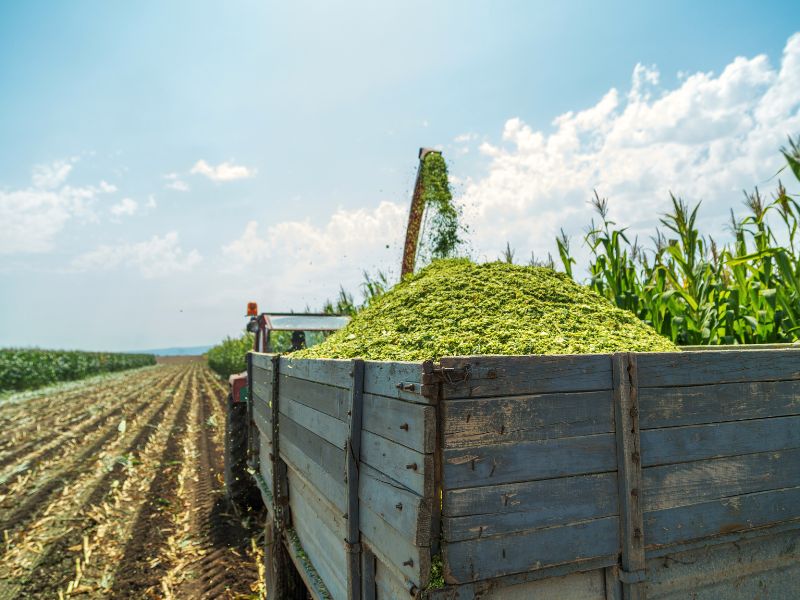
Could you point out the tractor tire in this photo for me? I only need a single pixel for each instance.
(283, 582)
(239, 487)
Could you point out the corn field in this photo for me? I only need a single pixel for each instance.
(691, 289)
(30, 368)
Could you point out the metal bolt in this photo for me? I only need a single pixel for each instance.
(409, 563)
(635, 492)
(399, 506)
(412, 466)
(404, 426)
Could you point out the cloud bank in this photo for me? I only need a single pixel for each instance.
(707, 139)
(225, 171)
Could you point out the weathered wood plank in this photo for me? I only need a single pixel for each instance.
(399, 380)
(325, 426)
(369, 590)
(327, 371)
(262, 391)
(409, 424)
(681, 484)
(723, 516)
(332, 488)
(394, 549)
(264, 462)
(324, 549)
(629, 472)
(326, 455)
(408, 513)
(262, 361)
(522, 375)
(262, 417)
(698, 442)
(390, 584)
(502, 509)
(528, 461)
(672, 407)
(408, 467)
(526, 418)
(353, 473)
(333, 401)
(703, 368)
(496, 556)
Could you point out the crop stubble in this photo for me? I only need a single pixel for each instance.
(133, 511)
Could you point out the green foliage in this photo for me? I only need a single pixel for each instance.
(695, 292)
(441, 230)
(30, 368)
(230, 356)
(455, 307)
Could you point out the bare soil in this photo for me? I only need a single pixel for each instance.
(114, 490)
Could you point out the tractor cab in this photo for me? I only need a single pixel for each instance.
(287, 332)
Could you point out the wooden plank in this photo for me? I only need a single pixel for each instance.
(528, 461)
(327, 371)
(324, 549)
(697, 442)
(408, 513)
(629, 476)
(409, 424)
(399, 380)
(262, 361)
(331, 488)
(500, 555)
(262, 391)
(672, 407)
(668, 486)
(408, 467)
(391, 585)
(353, 451)
(369, 590)
(264, 463)
(326, 455)
(325, 426)
(703, 368)
(522, 375)
(723, 516)
(485, 421)
(333, 401)
(262, 417)
(502, 509)
(392, 548)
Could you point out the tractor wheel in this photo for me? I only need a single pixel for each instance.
(238, 485)
(283, 580)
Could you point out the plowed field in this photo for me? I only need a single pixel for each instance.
(113, 489)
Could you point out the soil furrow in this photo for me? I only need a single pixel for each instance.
(140, 571)
(43, 452)
(28, 509)
(52, 571)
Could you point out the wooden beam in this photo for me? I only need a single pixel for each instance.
(629, 479)
(353, 450)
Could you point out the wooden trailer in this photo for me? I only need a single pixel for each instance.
(632, 475)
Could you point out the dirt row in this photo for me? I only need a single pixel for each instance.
(124, 497)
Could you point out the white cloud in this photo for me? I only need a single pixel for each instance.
(225, 171)
(303, 262)
(174, 182)
(125, 207)
(706, 139)
(156, 257)
(31, 217)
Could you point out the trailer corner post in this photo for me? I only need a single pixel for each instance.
(353, 451)
(631, 571)
(280, 483)
(252, 433)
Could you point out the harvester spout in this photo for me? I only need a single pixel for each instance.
(415, 214)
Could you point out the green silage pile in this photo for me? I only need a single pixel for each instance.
(455, 307)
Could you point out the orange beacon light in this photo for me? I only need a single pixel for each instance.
(252, 309)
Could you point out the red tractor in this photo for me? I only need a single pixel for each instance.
(274, 333)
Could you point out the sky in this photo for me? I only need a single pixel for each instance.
(164, 163)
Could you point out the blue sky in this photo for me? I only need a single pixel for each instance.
(163, 163)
